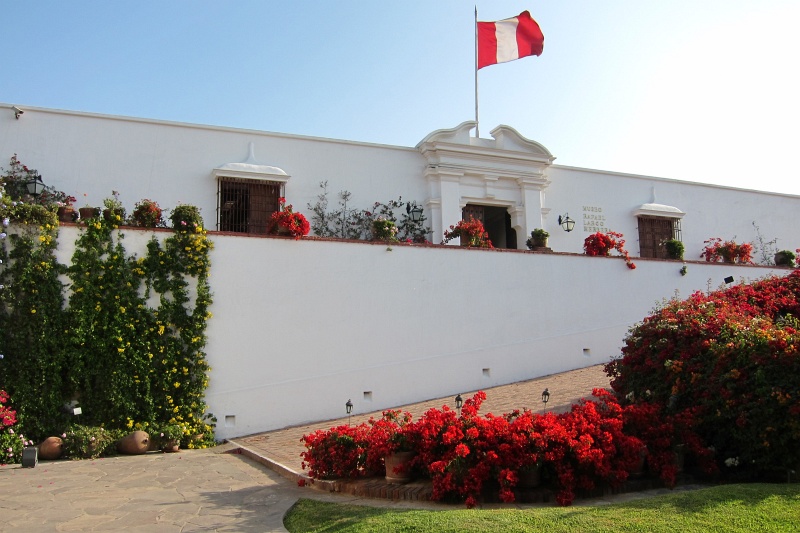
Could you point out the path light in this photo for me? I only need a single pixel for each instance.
(545, 398)
(565, 222)
(414, 212)
(35, 186)
(459, 403)
(349, 408)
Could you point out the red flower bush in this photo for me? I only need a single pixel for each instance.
(294, 223)
(724, 369)
(602, 243)
(728, 251)
(461, 454)
(472, 234)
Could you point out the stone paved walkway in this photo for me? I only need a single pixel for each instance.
(214, 490)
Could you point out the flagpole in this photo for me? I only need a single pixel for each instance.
(477, 127)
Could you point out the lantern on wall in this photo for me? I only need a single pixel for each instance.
(35, 186)
(566, 223)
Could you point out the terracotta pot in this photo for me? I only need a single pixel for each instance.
(397, 459)
(134, 444)
(88, 212)
(67, 214)
(111, 216)
(51, 448)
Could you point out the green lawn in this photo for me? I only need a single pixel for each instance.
(747, 508)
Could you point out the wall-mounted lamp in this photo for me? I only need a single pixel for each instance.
(35, 186)
(459, 403)
(17, 112)
(349, 408)
(566, 223)
(545, 398)
(414, 212)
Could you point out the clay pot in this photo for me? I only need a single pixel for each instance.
(88, 212)
(397, 459)
(66, 214)
(51, 448)
(134, 444)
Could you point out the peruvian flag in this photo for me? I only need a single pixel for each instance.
(509, 39)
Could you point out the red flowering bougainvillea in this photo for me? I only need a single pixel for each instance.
(602, 243)
(723, 370)
(11, 442)
(729, 251)
(472, 234)
(294, 223)
(461, 454)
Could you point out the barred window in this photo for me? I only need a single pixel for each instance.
(245, 205)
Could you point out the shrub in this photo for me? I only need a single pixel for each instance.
(462, 454)
(674, 249)
(295, 224)
(89, 442)
(11, 441)
(602, 243)
(186, 217)
(729, 251)
(728, 363)
(147, 214)
(472, 234)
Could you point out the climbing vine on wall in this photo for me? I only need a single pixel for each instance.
(127, 347)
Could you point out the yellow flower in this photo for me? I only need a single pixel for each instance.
(33, 311)
(177, 384)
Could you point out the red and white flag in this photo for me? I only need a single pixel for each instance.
(509, 39)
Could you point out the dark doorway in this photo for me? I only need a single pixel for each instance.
(497, 222)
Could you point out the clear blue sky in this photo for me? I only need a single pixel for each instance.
(701, 90)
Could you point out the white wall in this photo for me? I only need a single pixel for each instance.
(300, 327)
(172, 163)
(711, 211)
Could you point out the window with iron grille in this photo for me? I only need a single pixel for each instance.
(245, 206)
(653, 231)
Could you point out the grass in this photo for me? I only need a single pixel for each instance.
(730, 508)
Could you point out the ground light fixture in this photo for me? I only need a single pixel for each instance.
(566, 223)
(414, 212)
(545, 397)
(349, 408)
(459, 403)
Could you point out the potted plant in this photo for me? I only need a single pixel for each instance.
(384, 229)
(147, 214)
(186, 217)
(538, 239)
(602, 243)
(785, 258)
(87, 211)
(472, 234)
(113, 212)
(169, 437)
(66, 212)
(288, 222)
(729, 251)
(88, 442)
(388, 439)
(674, 249)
